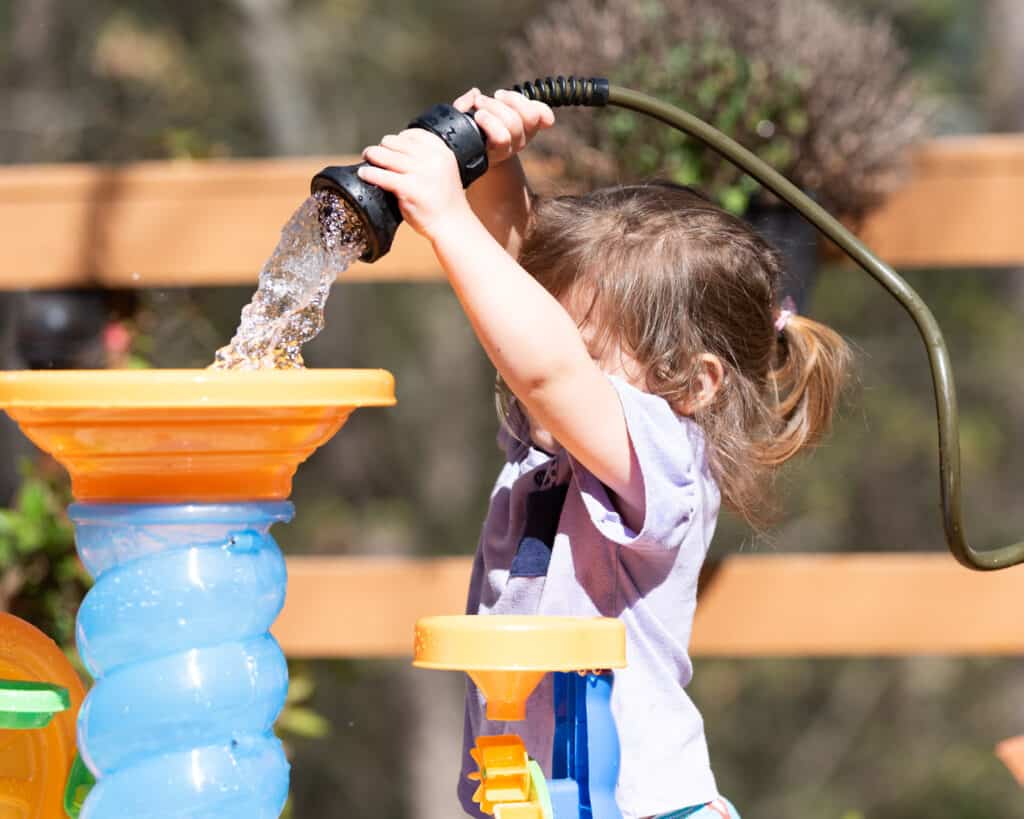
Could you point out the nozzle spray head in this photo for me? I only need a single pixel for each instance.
(378, 209)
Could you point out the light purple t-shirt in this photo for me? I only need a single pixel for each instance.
(590, 563)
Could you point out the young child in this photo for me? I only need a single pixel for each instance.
(648, 375)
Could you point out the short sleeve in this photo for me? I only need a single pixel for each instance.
(669, 450)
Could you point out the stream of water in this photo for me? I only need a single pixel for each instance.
(319, 242)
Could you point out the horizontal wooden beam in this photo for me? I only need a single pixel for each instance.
(163, 224)
(195, 223)
(960, 207)
(750, 606)
(168, 224)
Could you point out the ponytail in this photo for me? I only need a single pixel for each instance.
(671, 277)
(806, 382)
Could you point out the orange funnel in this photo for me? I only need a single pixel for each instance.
(507, 656)
(201, 436)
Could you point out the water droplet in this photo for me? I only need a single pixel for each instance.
(766, 129)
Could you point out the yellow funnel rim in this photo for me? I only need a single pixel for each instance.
(519, 643)
(128, 389)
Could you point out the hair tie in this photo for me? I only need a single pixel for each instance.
(785, 314)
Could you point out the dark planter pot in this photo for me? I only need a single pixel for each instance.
(60, 329)
(797, 241)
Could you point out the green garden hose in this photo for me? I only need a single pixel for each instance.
(596, 92)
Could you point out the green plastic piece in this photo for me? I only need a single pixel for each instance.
(26, 705)
(80, 782)
(539, 785)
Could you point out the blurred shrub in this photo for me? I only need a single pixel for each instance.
(817, 93)
(40, 576)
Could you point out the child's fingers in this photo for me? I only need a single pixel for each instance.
(499, 138)
(419, 138)
(389, 159)
(535, 114)
(465, 102)
(388, 180)
(509, 118)
(400, 143)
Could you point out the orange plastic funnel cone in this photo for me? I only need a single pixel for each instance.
(202, 436)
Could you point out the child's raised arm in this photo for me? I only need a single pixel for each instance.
(502, 198)
(528, 335)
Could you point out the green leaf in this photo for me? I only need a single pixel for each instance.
(33, 500)
(303, 722)
(622, 124)
(300, 687)
(796, 122)
(28, 536)
(734, 200)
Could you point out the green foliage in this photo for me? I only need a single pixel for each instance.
(737, 94)
(36, 524)
(298, 719)
(42, 578)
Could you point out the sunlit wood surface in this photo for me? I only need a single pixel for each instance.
(193, 223)
(1011, 752)
(750, 606)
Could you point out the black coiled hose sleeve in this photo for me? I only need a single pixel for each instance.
(559, 91)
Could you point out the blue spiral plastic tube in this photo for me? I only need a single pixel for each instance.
(188, 679)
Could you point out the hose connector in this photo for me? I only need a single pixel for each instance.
(560, 91)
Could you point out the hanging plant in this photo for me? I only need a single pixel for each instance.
(820, 95)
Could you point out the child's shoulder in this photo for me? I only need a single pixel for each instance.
(654, 422)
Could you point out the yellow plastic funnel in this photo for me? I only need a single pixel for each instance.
(507, 656)
(167, 436)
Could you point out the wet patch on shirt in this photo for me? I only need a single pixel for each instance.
(543, 511)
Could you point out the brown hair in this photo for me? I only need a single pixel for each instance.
(672, 276)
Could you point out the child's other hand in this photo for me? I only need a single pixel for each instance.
(421, 171)
(508, 119)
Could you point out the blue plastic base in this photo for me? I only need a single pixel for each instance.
(585, 753)
(188, 680)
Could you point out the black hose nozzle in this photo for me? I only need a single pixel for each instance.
(378, 209)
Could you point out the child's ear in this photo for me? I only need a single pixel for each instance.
(710, 375)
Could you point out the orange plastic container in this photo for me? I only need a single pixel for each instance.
(34, 764)
(171, 436)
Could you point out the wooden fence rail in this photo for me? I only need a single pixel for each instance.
(751, 605)
(157, 224)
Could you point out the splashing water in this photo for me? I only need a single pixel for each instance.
(323, 237)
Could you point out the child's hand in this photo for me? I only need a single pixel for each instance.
(508, 119)
(421, 171)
